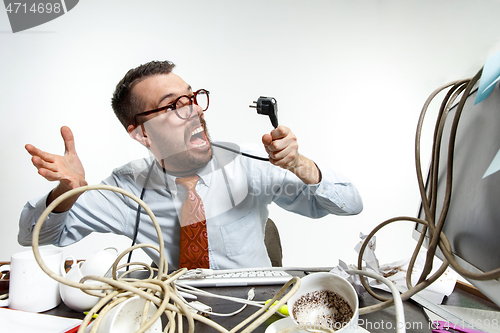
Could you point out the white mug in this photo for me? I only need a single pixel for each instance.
(306, 310)
(30, 288)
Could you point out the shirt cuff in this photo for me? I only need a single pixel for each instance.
(40, 204)
(334, 188)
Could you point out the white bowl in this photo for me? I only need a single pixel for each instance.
(281, 324)
(323, 283)
(126, 318)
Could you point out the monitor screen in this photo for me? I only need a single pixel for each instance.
(472, 224)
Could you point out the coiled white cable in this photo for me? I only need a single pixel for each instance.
(398, 302)
(160, 290)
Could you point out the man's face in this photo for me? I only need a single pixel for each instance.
(181, 145)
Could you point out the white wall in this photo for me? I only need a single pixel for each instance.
(350, 78)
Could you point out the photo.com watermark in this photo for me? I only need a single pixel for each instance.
(24, 15)
(482, 324)
(388, 325)
(366, 324)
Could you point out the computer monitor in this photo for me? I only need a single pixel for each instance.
(473, 221)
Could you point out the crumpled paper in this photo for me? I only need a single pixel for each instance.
(355, 280)
(396, 272)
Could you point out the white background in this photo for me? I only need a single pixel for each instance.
(350, 78)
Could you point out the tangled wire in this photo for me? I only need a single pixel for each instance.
(159, 290)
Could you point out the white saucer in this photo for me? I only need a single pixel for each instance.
(281, 324)
(288, 322)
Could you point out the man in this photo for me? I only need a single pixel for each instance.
(231, 192)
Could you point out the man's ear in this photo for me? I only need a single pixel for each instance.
(138, 133)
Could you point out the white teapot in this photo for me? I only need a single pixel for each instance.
(73, 297)
(100, 262)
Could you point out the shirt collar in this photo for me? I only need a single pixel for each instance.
(204, 173)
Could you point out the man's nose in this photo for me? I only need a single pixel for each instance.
(197, 110)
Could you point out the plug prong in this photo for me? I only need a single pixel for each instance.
(269, 107)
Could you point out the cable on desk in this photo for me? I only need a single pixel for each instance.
(159, 290)
(437, 239)
(398, 303)
(199, 292)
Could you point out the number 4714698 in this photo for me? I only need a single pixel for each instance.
(19, 7)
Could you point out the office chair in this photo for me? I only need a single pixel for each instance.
(273, 244)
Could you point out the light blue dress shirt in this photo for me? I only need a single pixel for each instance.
(236, 192)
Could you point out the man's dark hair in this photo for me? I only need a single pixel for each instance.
(124, 103)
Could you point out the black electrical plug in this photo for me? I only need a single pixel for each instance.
(267, 106)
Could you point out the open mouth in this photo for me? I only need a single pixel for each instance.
(198, 138)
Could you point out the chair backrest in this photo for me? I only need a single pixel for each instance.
(273, 244)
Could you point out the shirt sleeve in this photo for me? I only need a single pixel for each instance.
(51, 229)
(94, 211)
(334, 194)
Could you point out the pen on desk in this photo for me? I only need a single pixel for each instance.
(93, 317)
(73, 329)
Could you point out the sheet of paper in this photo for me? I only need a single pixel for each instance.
(29, 322)
(396, 272)
(494, 166)
(488, 321)
(489, 77)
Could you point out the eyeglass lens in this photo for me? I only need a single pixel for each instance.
(184, 107)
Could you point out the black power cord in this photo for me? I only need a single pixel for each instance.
(240, 153)
(138, 215)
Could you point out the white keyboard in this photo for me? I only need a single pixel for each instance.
(240, 278)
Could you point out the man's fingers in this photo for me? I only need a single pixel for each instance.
(69, 140)
(267, 139)
(281, 154)
(49, 175)
(29, 148)
(270, 140)
(280, 132)
(33, 151)
(41, 164)
(281, 145)
(289, 142)
(282, 137)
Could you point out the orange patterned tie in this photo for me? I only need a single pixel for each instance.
(194, 241)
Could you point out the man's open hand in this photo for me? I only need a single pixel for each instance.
(67, 169)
